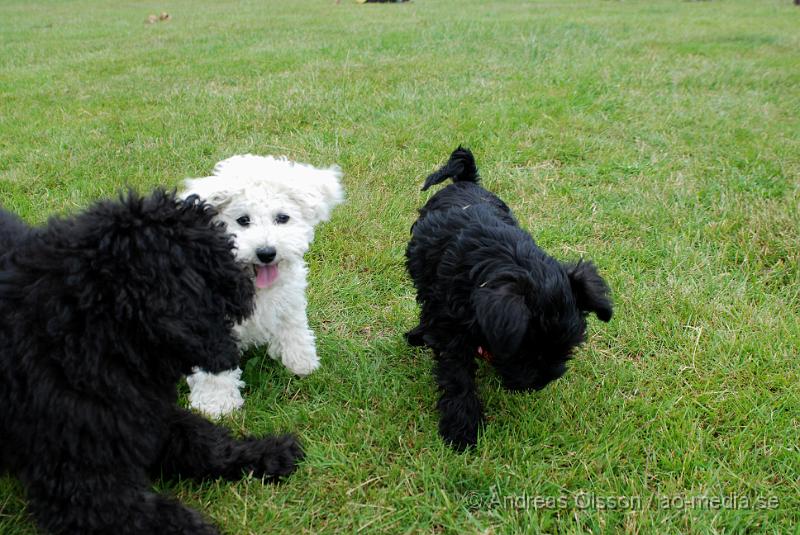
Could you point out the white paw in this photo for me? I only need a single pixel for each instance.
(301, 366)
(215, 395)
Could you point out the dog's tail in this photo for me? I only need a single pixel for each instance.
(460, 167)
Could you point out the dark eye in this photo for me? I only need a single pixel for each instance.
(244, 221)
(281, 219)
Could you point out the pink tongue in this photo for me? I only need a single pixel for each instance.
(266, 275)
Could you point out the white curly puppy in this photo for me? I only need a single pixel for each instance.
(271, 206)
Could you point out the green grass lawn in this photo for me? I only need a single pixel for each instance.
(659, 138)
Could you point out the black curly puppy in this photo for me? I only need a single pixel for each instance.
(101, 314)
(486, 290)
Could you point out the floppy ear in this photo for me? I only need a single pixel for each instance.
(182, 279)
(590, 290)
(503, 317)
(212, 189)
(317, 191)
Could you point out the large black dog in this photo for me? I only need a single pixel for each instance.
(101, 314)
(487, 291)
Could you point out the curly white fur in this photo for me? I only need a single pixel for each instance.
(271, 206)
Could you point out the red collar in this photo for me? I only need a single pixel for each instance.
(485, 355)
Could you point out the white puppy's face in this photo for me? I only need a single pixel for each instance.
(269, 229)
(270, 206)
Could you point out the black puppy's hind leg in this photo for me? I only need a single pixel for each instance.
(414, 336)
(102, 504)
(200, 449)
(461, 413)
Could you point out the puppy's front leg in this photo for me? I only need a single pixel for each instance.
(215, 394)
(293, 342)
(461, 413)
(199, 449)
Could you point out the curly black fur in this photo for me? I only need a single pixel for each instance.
(483, 283)
(101, 314)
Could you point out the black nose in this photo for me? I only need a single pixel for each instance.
(266, 254)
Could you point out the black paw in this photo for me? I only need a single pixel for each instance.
(414, 337)
(277, 456)
(459, 434)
